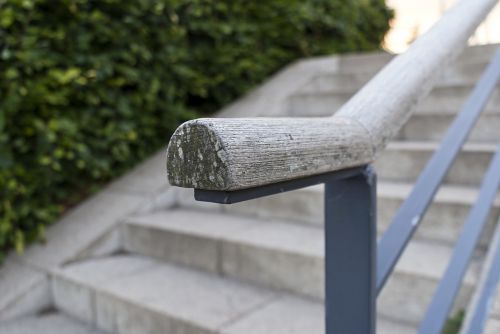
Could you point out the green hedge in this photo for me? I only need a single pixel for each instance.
(88, 88)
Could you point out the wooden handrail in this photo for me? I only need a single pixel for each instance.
(231, 154)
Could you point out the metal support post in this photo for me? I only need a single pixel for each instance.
(350, 254)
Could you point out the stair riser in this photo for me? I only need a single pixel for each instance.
(278, 269)
(492, 326)
(432, 127)
(115, 315)
(316, 105)
(404, 165)
(443, 220)
(73, 299)
(446, 98)
(193, 251)
(375, 62)
(363, 67)
(363, 64)
(347, 82)
(412, 297)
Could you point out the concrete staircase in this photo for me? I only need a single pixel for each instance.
(257, 267)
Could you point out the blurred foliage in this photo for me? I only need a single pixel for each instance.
(454, 323)
(88, 88)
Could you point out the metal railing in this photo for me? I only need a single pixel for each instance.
(234, 160)
(476, 317)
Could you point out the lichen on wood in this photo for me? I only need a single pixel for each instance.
(229, 154)
(196, 157)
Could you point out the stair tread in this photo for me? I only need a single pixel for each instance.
(491, 111)
(202, 300)
(485, 50)
(495, 309)
(447, 193)
(189, 295)
(450, 89)
(53, 323)
(303, 316)
(425, 259)
(274, 234)
(372, 62)
(414, 145)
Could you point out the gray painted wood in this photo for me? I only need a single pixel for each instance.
(238, 153)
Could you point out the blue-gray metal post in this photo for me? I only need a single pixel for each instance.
(350, 254)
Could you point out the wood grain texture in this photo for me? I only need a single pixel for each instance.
(229, 154)
(238, 153)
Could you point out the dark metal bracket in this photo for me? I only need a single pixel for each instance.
(230, 197)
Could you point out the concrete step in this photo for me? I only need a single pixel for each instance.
(478, 52)
(493, 323)
(50, 323)
(302, 316)
(492, 326)
(135, 295)
(442, 222)
(374, 61)
(325, 103)
(404, 161)
(432, 126)
(445, 217)
(281, 256)
(460, 74)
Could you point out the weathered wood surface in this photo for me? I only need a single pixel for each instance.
(237, 153)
